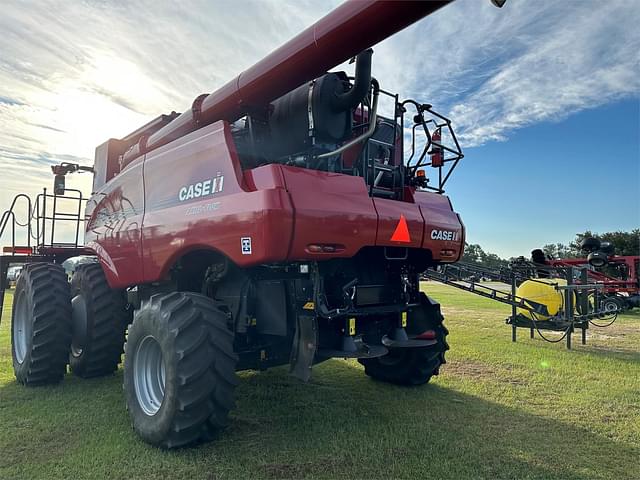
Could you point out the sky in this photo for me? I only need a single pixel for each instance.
(543, 95)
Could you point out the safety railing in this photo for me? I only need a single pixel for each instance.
(43, 220)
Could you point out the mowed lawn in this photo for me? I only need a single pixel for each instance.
(499, 410)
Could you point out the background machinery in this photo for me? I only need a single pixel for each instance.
(559, 295)
(619, 274)
(274, 222)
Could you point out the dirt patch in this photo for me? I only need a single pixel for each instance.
(616, 330)
(469, 368)
(481, 371)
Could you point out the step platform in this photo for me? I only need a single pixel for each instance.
(408, 343)
(354, 349)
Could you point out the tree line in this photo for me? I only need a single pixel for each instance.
(624, 243)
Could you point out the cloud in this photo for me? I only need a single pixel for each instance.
(75, 74)
(526, 63)
(9, 101)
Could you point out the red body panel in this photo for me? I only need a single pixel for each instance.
(438, 213)
(330, 208)
(389, 212)
(144, 219)
(114, 228)
(218, 221)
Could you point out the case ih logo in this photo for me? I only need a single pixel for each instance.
(444, 235)
(202, 189)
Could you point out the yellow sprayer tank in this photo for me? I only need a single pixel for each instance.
(542, 290)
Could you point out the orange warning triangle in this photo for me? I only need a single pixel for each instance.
(401, 233)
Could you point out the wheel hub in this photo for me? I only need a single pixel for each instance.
(149, 375)
(21, 330)
(79, 325)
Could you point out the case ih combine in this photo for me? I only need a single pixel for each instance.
(274, 222)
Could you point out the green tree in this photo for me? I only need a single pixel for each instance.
(474, 253)
(558, 250)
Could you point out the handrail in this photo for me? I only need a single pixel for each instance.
(10, 213)
(38, 212)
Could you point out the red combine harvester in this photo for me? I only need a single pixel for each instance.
(274, 222)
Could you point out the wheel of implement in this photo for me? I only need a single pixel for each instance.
(99, 319)
(41, 324)
(612, 304)
(597, 259)
(179, 370)
(413, 366)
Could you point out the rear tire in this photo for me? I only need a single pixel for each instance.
(179, 370)
(413, 366)
(99, 321)
(41, 324)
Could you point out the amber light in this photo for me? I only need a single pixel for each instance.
(421, 173)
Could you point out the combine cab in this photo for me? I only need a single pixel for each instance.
(275, 222)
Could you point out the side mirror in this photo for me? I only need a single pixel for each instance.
(58, 185)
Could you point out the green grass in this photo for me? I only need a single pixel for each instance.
(498, 410)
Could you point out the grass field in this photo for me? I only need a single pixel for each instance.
(499, 410)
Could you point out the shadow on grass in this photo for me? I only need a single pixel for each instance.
(341, 425)
(594, 346)
(607, 351)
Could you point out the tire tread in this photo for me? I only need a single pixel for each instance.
(420, 364)
(205, 366)
(104, 348)
(47, 285)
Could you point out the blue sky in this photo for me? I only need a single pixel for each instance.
(532, 87)
(552, 180)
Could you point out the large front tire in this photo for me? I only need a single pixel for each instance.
(99, 321)
(179, 370)
(413, 366)
(41, 324)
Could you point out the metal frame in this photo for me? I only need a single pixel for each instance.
(40, 247)
(612, 284)
(567, 320)
(372, 171)
(439, 122)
